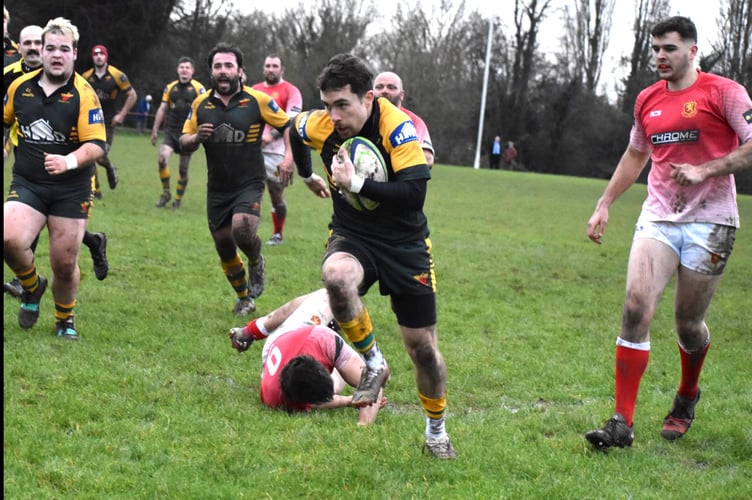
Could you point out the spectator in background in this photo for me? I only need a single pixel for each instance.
(177, 97)
(494, 156)
(510, 156)
(142, 112)
(109, 83)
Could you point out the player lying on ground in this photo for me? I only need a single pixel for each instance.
(305, 364)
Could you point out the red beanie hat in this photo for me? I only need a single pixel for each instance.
(99, 49)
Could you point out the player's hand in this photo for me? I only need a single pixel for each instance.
(241, 341)
(597, 225)
(342, 169)
(154, 136)
(205, 130)
(685, 174)
(55, 164)
(318, 186)
(286, 170)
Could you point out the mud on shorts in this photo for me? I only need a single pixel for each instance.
(702, 247)
(405, 272)
(271, 162)
(220, 207)
(71, 200)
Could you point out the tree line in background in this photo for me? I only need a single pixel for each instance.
(552, 107)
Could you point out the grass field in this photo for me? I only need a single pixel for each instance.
(154, 403)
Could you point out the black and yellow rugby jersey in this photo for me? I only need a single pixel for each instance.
(179, 97)
(13, 71)
(108, 88)
(392, 131)
(57, 124)
(233, 152)
(10, 52)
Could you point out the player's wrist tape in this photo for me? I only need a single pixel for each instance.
(356, 184)
(256, 329)
(71, 162)
(308, 179)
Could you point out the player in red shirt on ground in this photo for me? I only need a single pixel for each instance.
(305, 364)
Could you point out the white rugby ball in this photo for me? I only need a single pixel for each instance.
(368, 164)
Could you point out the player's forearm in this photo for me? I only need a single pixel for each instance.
(627, 171)
(734, 162)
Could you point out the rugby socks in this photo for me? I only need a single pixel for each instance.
(434, 410)
(359, 331)
(29, 279)
(164, 176)
(64, 311)
(631, 362)
(182, 184)
(691, 366)
(279, 215)
(235, 273)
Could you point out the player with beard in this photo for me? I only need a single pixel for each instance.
(287, 96)
(110, 83)
(229, 121)
(61, 135)
(30, 47)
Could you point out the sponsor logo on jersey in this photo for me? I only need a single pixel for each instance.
(273, 106)
(655, 113)
(40, 131)
(404, 133)
(689, 109)
(675, 137)
(226, 134)
(748, 116)
(243, 103)
(95, 116)
(65, 97)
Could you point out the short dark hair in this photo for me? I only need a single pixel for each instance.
(679, 24)
(225, 47)
(186, 59)
(306, 381)
(343, 70)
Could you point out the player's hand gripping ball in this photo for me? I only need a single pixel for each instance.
(369, 164)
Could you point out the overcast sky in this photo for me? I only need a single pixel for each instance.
(704, 15)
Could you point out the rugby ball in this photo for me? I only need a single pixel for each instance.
(369, 164)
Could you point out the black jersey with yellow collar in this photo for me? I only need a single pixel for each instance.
(112, 83)
(13, 71)
(56, 124)
(179, 96)
(392, 131)
(233, 152)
